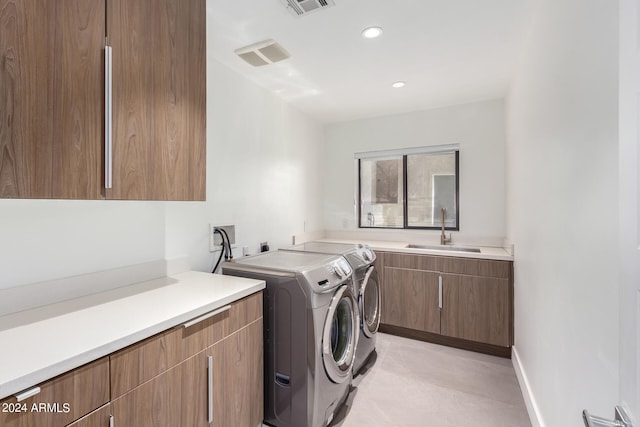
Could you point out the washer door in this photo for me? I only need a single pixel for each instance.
(370, 302)
(339, 337)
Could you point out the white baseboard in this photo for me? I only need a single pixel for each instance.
(527, 394)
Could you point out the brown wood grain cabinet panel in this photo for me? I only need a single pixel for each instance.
(159, 99)
(51, 98)
(97, 418)
(131, 38)
(411, 299)
(142, 361)
(194, 397)
(243, 312)
(238, 378)
(178, 70)
(475, 267)
(446, 264)
(84, 389)
(416, 262)
(476, 309)
(155, 403)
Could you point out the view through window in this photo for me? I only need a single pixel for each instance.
(409, 188)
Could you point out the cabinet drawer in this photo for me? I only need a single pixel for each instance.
(447, 264)
(62, 399)
(243, 312)
(411, 261)
(143, 361)
(476, 267)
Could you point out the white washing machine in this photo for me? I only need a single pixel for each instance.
(311, 327)
(367, 288)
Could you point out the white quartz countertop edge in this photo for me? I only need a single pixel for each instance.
(42, 343)
(486, 252)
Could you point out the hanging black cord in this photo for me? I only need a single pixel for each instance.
(222, 250)
(228, 243)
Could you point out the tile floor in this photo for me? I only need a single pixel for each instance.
(417, 384)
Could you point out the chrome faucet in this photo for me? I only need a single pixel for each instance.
(443, 237)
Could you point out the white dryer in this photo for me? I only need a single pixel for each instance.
(311, 328)
(367, 288)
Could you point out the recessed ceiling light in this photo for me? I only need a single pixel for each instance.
(398, 84)
(371, 32)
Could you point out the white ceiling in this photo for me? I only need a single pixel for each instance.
(448, 51)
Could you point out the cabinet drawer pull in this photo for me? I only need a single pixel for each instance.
(27, 394)
(439, 291)
(206, 316)
(108, 112)
(210, 388)
(111, 421)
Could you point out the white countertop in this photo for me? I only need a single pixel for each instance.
(42, 343)
(486, 252)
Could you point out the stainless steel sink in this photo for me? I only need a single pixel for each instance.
(443, 248)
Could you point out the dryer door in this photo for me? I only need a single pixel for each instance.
(340, 334)
(369, 301)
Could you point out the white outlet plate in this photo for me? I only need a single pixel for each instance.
(212, 244)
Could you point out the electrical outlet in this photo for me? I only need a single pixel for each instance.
(212, 242)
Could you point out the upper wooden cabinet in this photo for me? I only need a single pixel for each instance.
(52, 101)
(51, 98)
(159, 99)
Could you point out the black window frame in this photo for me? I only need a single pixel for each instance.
(405, 212)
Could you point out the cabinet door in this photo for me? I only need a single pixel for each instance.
(159, 99)
(98, 418)
(154, 403)
(238, 378)
(476, 309)
(51, 98)
(411, 299)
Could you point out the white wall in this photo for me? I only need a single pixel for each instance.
(263, 161)
(49, 239)
(477, 127)
(262, 176)
(562, 209)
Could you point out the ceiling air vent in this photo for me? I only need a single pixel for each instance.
(263, 53)
(303, 7)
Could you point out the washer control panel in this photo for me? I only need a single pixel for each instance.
(342, 268)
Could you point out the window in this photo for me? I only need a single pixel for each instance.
(409, 188)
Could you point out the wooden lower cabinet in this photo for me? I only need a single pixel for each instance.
(476, 295)
(238, 378)
(476, 309)
(180, 395)
(411, 300)
(164, 380)
(61, 400)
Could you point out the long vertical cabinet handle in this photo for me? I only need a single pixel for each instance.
(210, 388)
(439, 291)
(111, 421)
(108, 117)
